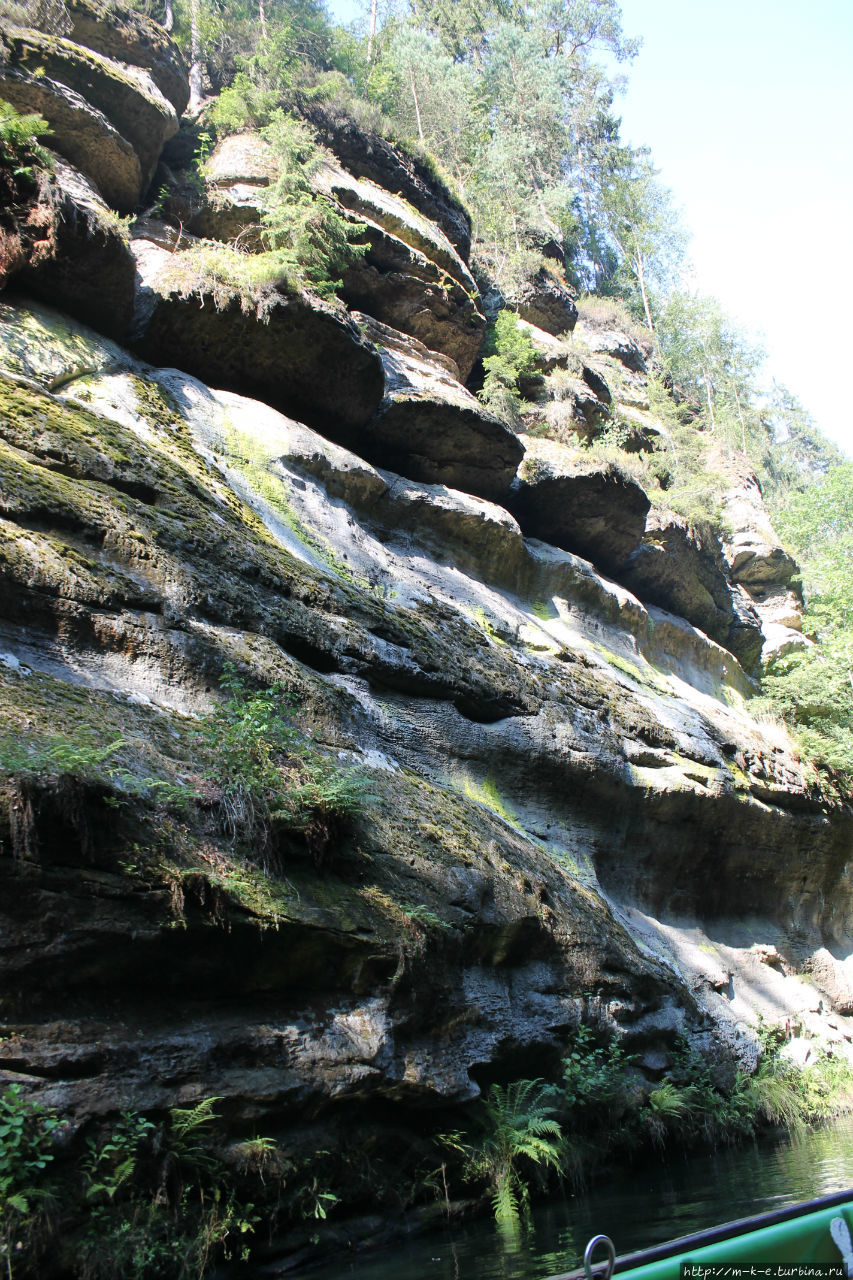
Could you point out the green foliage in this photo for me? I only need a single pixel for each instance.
(25, 1160)
(306, 242)
(270, 46)
(56, 755)
(594, 1076)
(508, 356)
(270, 777)
(516, 1136)
(813, 688)
(313, 241)
(90, 762)
(19, 145)
(25, 1129)
(712, 365)
(189, 1135)
(509, 98)
(163, 1204)
(108, 1165)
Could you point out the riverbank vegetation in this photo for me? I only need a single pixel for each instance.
(166, 1197)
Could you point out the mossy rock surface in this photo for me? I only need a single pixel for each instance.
(128, 98)
(79, 132)
(530, 812)
(126, 35)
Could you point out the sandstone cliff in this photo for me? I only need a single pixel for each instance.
(543, 682)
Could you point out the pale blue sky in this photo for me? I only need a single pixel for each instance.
(747, 106)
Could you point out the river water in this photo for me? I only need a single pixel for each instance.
(636, 1207)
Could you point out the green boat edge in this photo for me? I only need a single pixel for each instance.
(797, 1237)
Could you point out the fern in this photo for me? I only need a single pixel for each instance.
(518, 1129)
(189, 1134)
(19, 139)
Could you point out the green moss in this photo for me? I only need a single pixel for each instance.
(247, 457)
(645, 674)
(157, 404)
(486, 793)
(544, 610)
(485, 623)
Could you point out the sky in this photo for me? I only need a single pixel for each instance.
(747, 106)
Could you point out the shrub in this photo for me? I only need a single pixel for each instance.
(612, 313)
(25, 1157)
(509, 357)
(269, 776)
(19, 137)
(516, 1135)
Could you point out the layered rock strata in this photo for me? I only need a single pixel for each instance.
(579, 503)
(567, 793)
(107, 118)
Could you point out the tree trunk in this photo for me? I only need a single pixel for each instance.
(196, 94)
(371, 35)
(641, 281)
(415, 99)
(742, 423)
(710, 404)
(169, 20)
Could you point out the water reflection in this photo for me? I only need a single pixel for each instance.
(637, 1208)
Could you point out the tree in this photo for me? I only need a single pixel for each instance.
(713, 366)
(800, 454)
(643, 225)
(813, 689)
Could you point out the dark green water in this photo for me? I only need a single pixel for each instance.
(639, 1207)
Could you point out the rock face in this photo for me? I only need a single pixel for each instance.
(753, 554)
(579, 503)
(237, 176)
(125, 35)
(762, 568)
(567, 794)
(90, 270)
(430, 428)
(611, 342)
(409, 277)
(81, 133)
(305, 354)
(548, 304)
(676, 569)
(107, 118)
(583, 390)
(568, 815)
(368, 155)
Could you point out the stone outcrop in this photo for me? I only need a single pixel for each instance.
(124, 34)
(568, 814)
(753, 554)
(758, 563)
(368, 155)
(116, 107)
(81, 133)
(90, 271)
(567, 794)
(547, 303)
(409, 275)
(678, 569)
(612, 342)
(304, 355)
(579, 503)
(581, 390)
(430, 428)
(237, 176)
